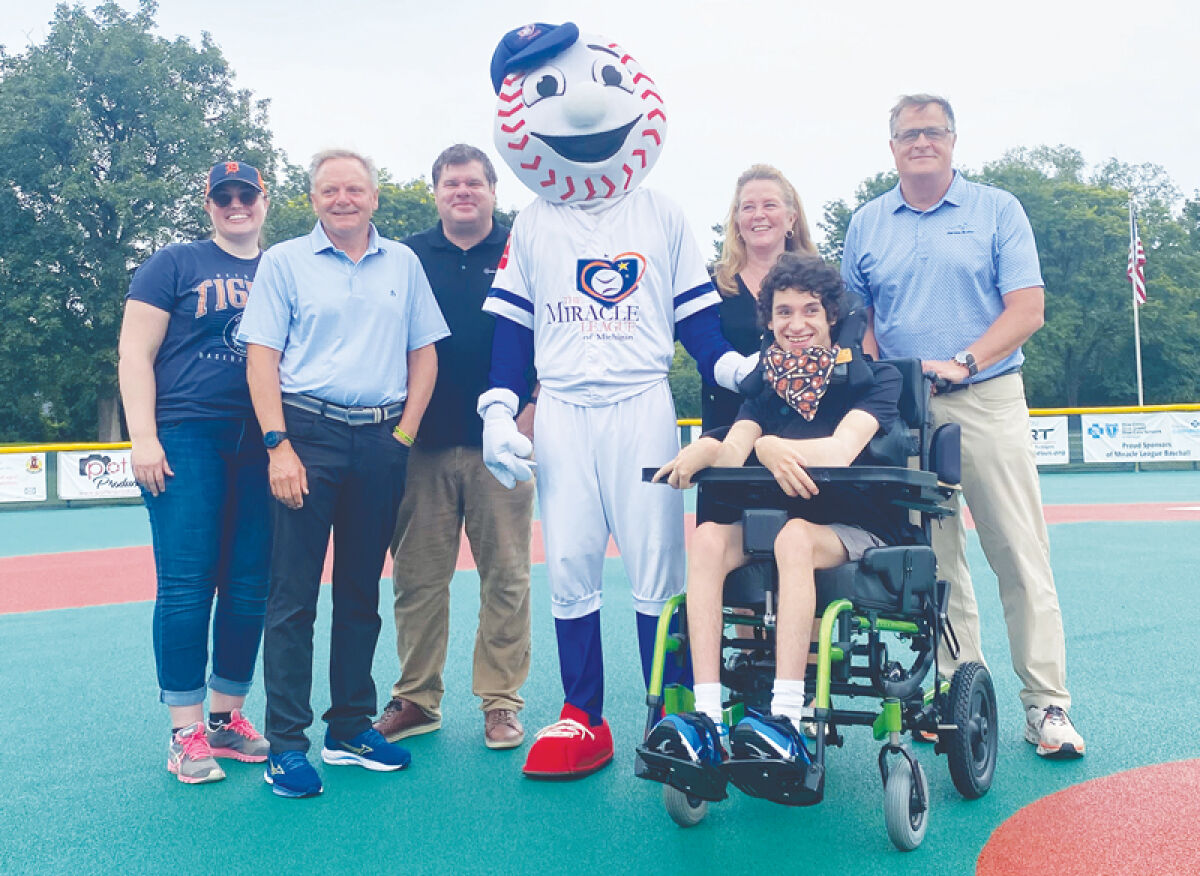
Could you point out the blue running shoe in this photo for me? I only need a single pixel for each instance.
(773, 738)
(692, 737)
(291, 775)
(368, 749)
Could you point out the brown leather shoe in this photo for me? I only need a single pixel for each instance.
(502, 729)
(403, 718)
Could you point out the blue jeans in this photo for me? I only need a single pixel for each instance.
(212, 536)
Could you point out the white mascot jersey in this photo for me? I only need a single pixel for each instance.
(599, 269)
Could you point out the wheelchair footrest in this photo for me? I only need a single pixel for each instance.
(780, 781)
(700, 780)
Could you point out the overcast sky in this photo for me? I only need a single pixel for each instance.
(804, 86)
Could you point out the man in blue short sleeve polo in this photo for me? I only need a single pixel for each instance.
(949, 272)
(341, 364)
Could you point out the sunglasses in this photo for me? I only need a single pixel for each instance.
(223, 197)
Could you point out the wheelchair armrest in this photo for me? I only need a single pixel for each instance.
(906, 487)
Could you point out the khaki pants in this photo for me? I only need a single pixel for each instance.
(1000, 485)
(446, 489)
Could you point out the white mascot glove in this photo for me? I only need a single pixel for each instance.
(732, 368)
(505, 449)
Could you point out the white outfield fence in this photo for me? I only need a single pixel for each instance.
(1120, 438)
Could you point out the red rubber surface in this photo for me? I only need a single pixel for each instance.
(1139, 822)
(74, 579)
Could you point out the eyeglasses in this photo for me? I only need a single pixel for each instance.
(223, 197)
(912, 135)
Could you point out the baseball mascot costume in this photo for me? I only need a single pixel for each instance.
(599, 278)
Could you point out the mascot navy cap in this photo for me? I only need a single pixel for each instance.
(528, 46)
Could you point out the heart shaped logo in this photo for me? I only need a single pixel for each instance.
(610, 281)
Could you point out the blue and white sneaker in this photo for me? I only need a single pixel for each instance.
(770, 738)
(368, 749)
(291, 775)
(692, 737)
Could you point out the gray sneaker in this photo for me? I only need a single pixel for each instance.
(1052, 732)
(190, 758)
(238, 739)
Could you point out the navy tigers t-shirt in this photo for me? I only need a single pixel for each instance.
(200, 369)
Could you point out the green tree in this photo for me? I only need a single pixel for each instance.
(106, 131)
(685, 384)
(837, 213)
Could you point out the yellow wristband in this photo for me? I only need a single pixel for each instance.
(405, 439)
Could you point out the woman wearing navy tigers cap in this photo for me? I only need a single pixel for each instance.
(199, 459)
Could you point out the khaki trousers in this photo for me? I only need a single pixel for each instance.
(447, 489)
(1000, 485)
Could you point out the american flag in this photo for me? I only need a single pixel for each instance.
(1137, 259)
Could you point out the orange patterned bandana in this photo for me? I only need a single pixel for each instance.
(800, 379)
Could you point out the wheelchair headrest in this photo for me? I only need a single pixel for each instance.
(851, 330)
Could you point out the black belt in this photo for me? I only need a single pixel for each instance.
(354, 415)
(947, 386)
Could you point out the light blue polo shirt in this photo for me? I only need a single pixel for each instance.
(344, 329)
(937, 278)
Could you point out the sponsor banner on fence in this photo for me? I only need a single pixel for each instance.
(22, 477)
(1165, 437)
(1050, 443)
(96, 474)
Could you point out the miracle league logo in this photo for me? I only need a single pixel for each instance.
(105, 473)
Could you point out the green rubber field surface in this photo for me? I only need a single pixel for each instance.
(85, 789)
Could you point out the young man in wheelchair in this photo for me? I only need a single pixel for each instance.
(799, 420)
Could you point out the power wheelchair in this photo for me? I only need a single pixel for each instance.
(868, 611)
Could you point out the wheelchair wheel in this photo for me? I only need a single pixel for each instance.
(905, 825)
(684, 809)
(971, 750)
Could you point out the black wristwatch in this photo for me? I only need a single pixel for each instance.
(967, 360)
(274, 439)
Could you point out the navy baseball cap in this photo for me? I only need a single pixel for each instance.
(528, 46)
(234, 171)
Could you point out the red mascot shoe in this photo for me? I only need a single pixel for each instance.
(569, 748)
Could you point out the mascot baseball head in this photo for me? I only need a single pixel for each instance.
(577, 118)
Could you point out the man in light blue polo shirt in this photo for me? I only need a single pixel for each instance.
(949, 272)
(340, 329)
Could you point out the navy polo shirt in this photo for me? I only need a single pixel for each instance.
(461, 280)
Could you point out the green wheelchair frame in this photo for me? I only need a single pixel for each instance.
(892, 593)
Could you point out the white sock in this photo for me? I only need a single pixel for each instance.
(708, 699)
(787, 698)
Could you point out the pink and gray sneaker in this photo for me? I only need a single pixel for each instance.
(238, 739)
(190, 758)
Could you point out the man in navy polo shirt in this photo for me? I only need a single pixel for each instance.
(949, 272)
(449, 486)
(341, 363)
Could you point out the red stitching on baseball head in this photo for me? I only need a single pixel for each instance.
(520, 144)
(533, 165)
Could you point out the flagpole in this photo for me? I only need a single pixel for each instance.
(1137, 332)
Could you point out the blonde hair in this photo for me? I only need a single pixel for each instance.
(733, 248)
